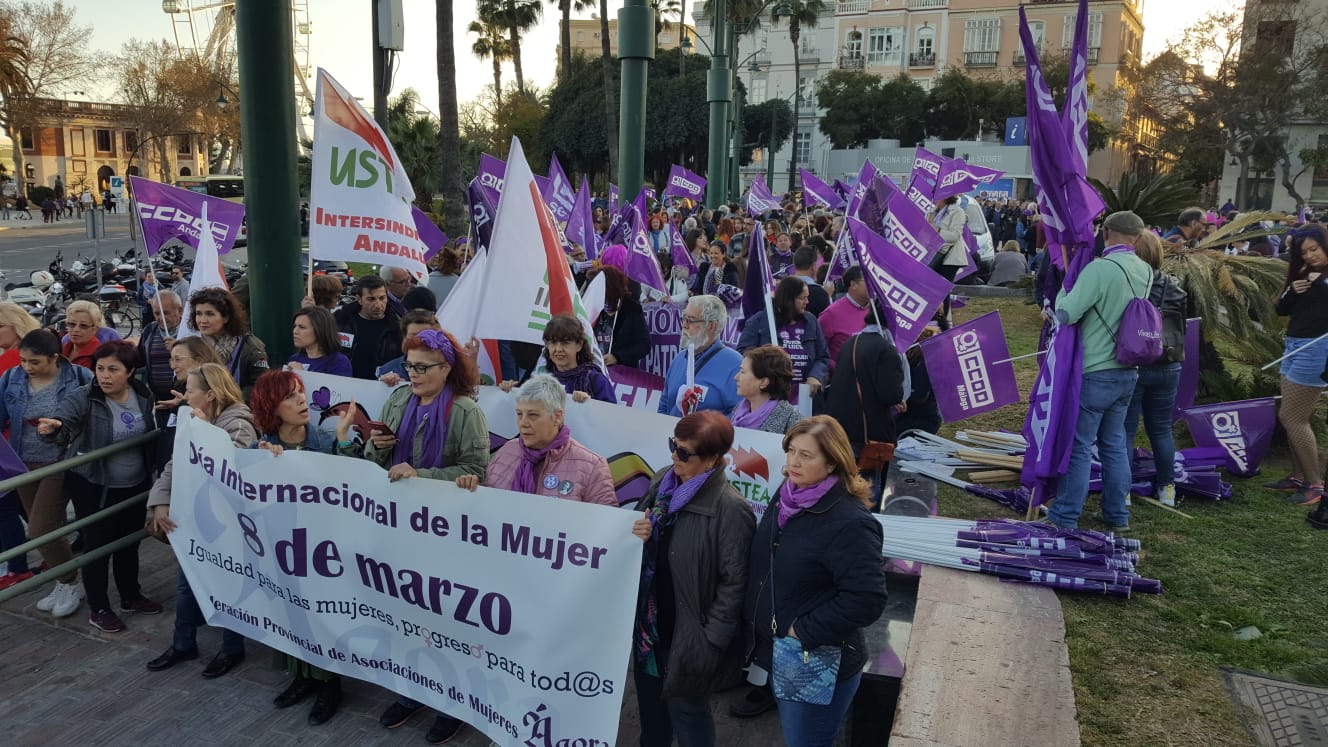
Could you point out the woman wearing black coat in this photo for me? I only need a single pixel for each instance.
(816, 575)
(620, 330)
(719, 272)
(867, 384)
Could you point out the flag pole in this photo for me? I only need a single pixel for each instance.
(1298, 350)
(309, 284)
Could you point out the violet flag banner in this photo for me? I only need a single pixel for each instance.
(10, 464)
(1243, 429)
(859, 189)
(971, 242)
(166, 213)
(684, 183)
(482, 212)
(581, 223)
(490, 175)
(642, 265)
(842, 259)
(911, 290)
(559, 195)
(758, 285)
(759, 199)
(431, 235)
(907, 228)
(1189, 369)
(677, 250)
(613, 196)
(957, 178)
(926, 166)
(817, 193)
(841, 189)
(967, 372)
(919, 193)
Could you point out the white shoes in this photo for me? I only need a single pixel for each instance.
(63, 599)
(1166, 495)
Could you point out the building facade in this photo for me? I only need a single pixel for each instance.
(585, 37)
(82, 144)
(923, 39)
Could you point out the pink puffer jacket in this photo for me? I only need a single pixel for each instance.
(572, 472)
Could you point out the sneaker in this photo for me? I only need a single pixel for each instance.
(67, 599)
(1128, 503)
(47, 602)
(1166, 495)
(1288, 484)
(9, 579)
(444, 729)
(1117, 528)
(397, 714)
(1308, 496)
(758, 700)
(142, 606)
(106, 621)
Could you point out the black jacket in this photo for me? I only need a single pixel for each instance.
(388, 346)
(829, 579)
(625, 332)
(880, 373)
(1169, 298)
(730, 277)
(708, 555)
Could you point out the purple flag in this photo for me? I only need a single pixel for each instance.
(957, 178)
(10, 464)
(919, 193)
(613, 196)
(581, 222)
(490, 175)
(684, 183)
(758, 283)
(642, 265)
(926, 166)
(841, 189)
(1189, 369)
(677, 250)
(431, 235)
(1074, 119)
(621, 225)
(966, 374)
(559, 195)
(970, 267)
(842, 259)
(167, 212)
(1244, 429)
(759, 199)
(816, 192)
(912, 291)
(907, 228)
(542, 183)
(859, 189)
(482, 212)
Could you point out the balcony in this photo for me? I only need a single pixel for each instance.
(927, 4)
(922, 59)
(849, 7)
(1093, 54)
(980, 59)
(851, 62)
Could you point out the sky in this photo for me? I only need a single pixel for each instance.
(341, 38)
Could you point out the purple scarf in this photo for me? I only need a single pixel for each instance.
(793, 500)
(579, 379)
(745, 417)
(671, 496)
(524, 480)
(433, 419)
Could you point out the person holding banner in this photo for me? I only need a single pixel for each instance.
(317, 343)
(216, 315)
(708, 382)
(369, 328)
(765, 382)
(815, 580)
(544, 459)
(1305, 301)
(213, 398)
(719, 271)
(697, 531)
(281, 414)
(799, 333)
(572, 362)
(116, 406)
(154, 344)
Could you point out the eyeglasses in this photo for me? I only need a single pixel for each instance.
(688, 321)
(420, 368)
(683, 453)
(79, 325)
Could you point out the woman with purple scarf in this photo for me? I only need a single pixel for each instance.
(436, 431)
(544, 459)
(815, 576)
(765, 381)
(697, 530)
(572, 363)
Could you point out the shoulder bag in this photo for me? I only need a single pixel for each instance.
(875, 454)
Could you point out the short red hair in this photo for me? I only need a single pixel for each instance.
(269, 391)
(709, 430)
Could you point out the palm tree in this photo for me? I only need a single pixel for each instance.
(490, 45)
(565, 7)
(664, 9)
(13, 61)
(449, 124)
(799, 13)
(518, 17)
(610, 94)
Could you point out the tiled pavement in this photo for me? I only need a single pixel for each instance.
(62, 682)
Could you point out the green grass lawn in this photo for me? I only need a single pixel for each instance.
(1146, 669)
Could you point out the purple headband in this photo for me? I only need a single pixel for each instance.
(436, 340)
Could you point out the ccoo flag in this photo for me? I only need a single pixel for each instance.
(684, 183)
(817, 193)
(166, 213)
(759, 199)
(559, 193)
(911, 290)
(970, 368)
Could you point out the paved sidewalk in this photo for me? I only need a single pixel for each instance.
(63, 682)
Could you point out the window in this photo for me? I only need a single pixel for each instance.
(983, 35)
(102, 141)
(666, 38)
(77, 147)
(25, 135)
(923, 83)
(853, 44)
(926, 40)
(1277, 38)
(580, 37)
(1094, 31)
(130, 141)
(758, 91)
(885, 46)
(807, 94)
(1038, 30)
(184, 145)
(184, 171)
(802, 149)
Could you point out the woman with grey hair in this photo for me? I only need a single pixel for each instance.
(544, 459)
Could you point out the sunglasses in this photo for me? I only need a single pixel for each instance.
(683, 453)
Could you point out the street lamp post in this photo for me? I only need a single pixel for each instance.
(636, 48)
(718, 93)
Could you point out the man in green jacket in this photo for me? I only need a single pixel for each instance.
(1097, 303)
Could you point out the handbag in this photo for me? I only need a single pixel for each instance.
(797, 674)
(875, 455)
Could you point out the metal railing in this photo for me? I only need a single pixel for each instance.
(922, 59)
(50, 470)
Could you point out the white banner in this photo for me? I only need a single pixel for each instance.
(360, 192)
(633, 441)
(509, 611)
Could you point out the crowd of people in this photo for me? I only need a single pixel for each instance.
(720, 591)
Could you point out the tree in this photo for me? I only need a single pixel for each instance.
(518, 17)
(663, 10)
(490, 45)
(799, 13)
(607, 61)
(415, 138)
(850, 99)
(1156, 199)
(449, 137)
(13, 59)
(57, 56)
(565, 7)
(958, 104)
(162, 93)
(757, 123)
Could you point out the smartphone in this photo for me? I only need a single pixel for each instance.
(381, 427)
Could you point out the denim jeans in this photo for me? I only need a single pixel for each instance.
(808, 725)
(1155, 399)
(1103, 401)
(663, 719)
(188, 619)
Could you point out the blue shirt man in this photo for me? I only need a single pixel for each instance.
(714, 387)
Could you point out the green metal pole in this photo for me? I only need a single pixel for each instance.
(719, 91)
(272, 195)
(735, 179)
(636, 48)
